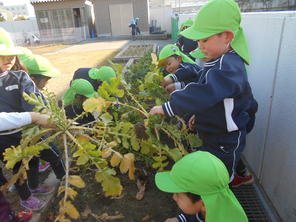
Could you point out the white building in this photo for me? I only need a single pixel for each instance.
(17, 10)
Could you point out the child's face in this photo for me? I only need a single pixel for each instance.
(216, 45)
(172, 64)
(7, 62)
(186, 204)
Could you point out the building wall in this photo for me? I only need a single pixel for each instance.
(103, 20)
(141, 11)
(56, 20)
(102, 17)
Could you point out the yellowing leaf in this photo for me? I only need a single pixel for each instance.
(111, 144)
(71, 210)
(76, 181)
(111, 185)
(82, 138)
(127, 164)
(94, 104)
(106, 153)
(154, 59)
(83, 159)
(116, 158)
(71, 193)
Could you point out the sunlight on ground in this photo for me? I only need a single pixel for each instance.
(67, 62)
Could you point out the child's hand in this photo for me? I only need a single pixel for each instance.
(166, 81)
(191, 123)
(157, 110)
(174, 219)
(170, 88)
(42, 120)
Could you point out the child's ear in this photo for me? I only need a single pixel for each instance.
(179, 58)
(229, 35)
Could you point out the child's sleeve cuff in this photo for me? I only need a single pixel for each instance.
(168, 109)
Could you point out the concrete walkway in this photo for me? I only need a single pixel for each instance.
(95, 45)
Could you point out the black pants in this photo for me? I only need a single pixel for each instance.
(227, 147)
(50, 155)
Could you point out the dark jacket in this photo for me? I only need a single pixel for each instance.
(221, 98)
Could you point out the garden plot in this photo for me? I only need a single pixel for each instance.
(134, 51)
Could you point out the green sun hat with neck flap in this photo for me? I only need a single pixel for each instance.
(197, 54)
(78, 87)
(170, 50)
(38, 65)
(104, 73)
(7, 47)
(187, 23)
(204, 174)
(218, 16)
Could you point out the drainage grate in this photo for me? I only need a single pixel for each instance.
(251, 203)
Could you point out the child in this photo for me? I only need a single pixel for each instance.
(41, 70)
(13, 82)
(74, 97)
(222, 96)
(12, 121)
(133, 26)
(186, 45)
(182, 69)
(199, 182)
(95, 76)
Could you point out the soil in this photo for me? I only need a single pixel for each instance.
(156, 205)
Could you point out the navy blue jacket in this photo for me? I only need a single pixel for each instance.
(190, 218)
(12, 86)
(187, 73)
(220, 99)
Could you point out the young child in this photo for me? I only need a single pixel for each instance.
(74, 97)
(11, 121)
(13, 82)
(186, 45)
(95, 76)
(41, 70)
(199, 183)
(182, 69)
(133, 26)
(222, 97)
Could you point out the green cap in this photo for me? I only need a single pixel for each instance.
(78, 87)
(105, 73)
(170, 50)
(7, 47)
(187, 23)
(204, 174)
(218, 16)
(39, 65)
(197, 54)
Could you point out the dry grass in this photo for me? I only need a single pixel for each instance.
(47, 48)
(68, 62)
